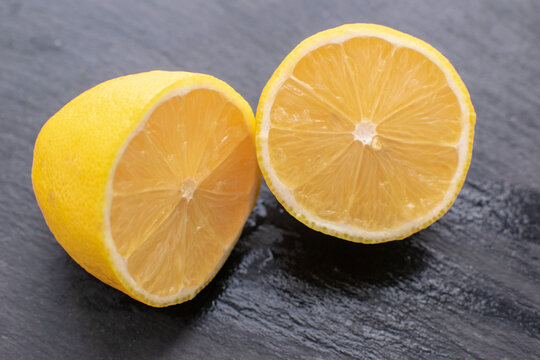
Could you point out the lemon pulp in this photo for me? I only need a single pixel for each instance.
(181, 191)
(365, 132)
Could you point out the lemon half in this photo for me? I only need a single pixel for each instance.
(365, 133)
(147, 180)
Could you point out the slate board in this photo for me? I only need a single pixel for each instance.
(466, 287)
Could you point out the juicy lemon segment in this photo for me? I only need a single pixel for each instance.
(365, 133)
(182, 191)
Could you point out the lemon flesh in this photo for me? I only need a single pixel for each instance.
(182, 190)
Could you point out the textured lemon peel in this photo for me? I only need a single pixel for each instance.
(337, 36)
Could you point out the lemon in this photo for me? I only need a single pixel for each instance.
(147, 180)
(365, 133)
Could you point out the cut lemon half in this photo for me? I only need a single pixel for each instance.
(365, 133)
(147, 180)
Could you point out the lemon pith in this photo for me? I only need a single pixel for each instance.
(82, 161)
(360, 108)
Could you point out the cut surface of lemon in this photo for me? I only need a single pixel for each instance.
(365, 133)
(147, 181)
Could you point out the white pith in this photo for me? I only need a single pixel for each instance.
(364, 132)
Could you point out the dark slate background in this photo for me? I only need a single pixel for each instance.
(466, 287)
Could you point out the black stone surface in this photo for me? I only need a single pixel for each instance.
(466, 287)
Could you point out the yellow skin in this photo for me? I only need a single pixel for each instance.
(334, 35)
(76, 152)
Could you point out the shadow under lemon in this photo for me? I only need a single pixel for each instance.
(324, 260)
